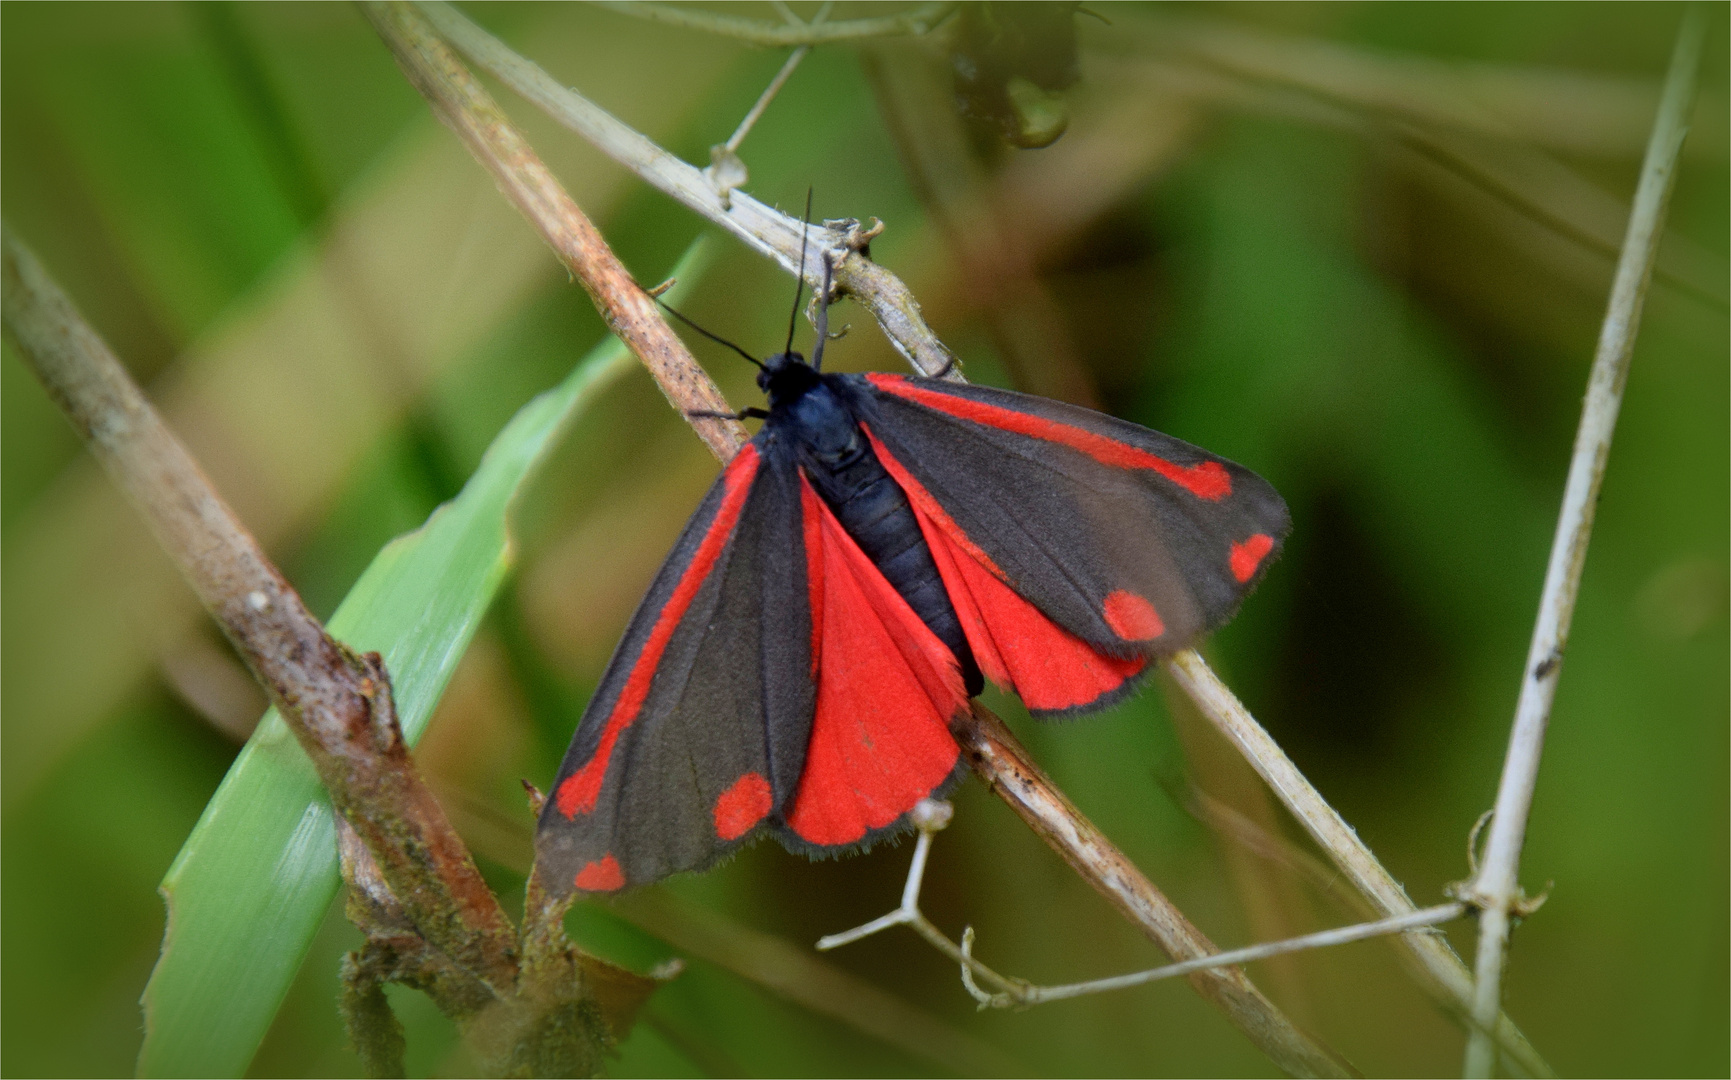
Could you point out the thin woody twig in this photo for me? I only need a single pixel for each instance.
(761, 228)
(1341, 935)
(1440, 972)
(726, 171)
(337, 704)
(763, 99)
(1495, 889)
(930, 816)
(917, 20)
(393, 952)
(1012, 775)
(630, 312)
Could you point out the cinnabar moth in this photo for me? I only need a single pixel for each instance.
(881, 547)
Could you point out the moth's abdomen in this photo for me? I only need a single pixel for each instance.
(871, 506)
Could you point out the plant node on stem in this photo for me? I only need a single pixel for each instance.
(1495, 888)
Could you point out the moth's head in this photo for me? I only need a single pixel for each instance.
(785, 375)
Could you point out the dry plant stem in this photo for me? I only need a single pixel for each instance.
(1495, 889)
(765, 230)
(394, 952)
(773, 963)
(1019, 992)
(910, 915)
(630, 312)
(1006, 768)
(1275, 905)
(763, 99)
(917, 20)
(1036, 995)
(338, 704)
(1440, 971)
(726, 171)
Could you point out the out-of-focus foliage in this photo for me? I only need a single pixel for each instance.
(338, 312)
(1010, 61)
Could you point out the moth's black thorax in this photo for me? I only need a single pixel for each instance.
(809, 410)
(815, 417)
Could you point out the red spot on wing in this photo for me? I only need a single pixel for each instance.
(886, 689)
(1015, 644)
(578, 793)
(1246, 557)
(1132, 617)
(741, 806)
(603, 875)
(1206, 480)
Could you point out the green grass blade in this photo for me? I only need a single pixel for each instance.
(257, 875)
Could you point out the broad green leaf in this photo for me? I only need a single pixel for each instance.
(254, 880)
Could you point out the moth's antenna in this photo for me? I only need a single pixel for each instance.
(713, 337)
(799, 286)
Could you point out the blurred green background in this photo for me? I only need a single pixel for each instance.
(1361, 248)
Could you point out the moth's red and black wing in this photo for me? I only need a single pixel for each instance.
(698, 729)
(1073, 544)
(771, 676)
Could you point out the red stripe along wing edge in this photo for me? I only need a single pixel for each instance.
(1016, 646)
(698, 729)
(1127, 539)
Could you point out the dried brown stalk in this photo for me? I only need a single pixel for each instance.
(1012, 775)
(430, 919)
(630, 312)
(337, 703)
(762, 228)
